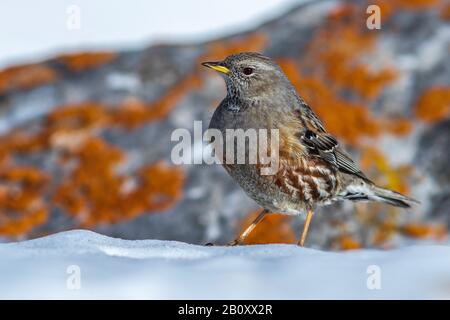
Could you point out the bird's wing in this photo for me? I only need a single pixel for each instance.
(309, 118)
(321, 144)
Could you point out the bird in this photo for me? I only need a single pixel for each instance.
(313, 168)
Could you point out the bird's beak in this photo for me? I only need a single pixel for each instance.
(218, 66)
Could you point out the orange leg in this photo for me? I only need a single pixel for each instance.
(309, 214)
(249, 229)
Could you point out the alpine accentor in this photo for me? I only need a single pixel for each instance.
(313, 170)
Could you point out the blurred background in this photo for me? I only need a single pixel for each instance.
(90, 92)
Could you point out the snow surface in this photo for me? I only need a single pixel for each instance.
(154, 269)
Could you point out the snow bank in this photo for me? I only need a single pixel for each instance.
(112, 268)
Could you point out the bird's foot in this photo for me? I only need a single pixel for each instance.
(233, 243)
(229, 244)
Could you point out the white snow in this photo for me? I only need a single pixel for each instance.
(153, 269)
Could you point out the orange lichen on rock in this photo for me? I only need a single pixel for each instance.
(382, 235)
(346, 120)
(69, 126)
(374, 163)
(361, 79)
(22, 206)
(26, 77)
(445, 12)
(91, 190)
(398, 126)
(384, 221)
(18, 141)
(66, 127)
(133, 112)
(159, 187)
(434, 104)
(387, 229)
(415, 4)
(274, 228)
(94, 192)
(346, 242)
(418, 230)
(335, 54)
(86, 115)
(347, 12)
(387, 9)
(85, 60)
(341, 12)
(217, 50)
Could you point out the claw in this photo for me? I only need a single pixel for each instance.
(233, 243)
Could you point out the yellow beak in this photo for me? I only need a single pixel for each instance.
(218, 66)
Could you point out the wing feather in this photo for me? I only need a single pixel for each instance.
(321, 144)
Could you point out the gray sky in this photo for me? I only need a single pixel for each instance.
(32, 30)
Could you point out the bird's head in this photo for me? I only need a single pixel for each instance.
(249, 75)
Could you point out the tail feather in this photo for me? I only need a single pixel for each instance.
(371, 192)
(392, 197)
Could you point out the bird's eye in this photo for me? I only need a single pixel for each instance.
(247, 71)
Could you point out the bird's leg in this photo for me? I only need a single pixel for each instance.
(309, 214)
(249, 229)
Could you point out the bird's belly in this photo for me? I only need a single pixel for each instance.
(266, 194)
(286, 192)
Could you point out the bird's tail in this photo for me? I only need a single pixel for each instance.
(392, 197)
(372, 192)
